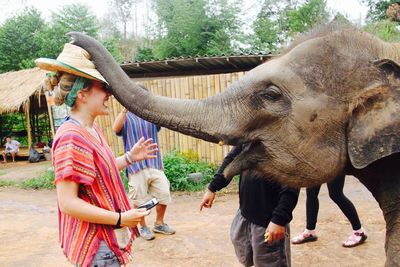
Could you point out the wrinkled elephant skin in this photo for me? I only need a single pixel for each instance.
(327, 104)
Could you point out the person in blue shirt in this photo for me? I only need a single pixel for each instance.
(146, 178)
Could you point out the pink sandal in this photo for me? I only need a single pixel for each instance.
(355, 239)
(304, 237)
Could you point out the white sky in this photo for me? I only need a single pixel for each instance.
(351, 8)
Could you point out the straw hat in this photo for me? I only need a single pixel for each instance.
(74, 60)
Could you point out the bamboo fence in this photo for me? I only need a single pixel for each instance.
(189, 87)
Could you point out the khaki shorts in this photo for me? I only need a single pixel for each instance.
(149, 183)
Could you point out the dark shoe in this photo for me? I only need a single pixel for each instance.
(355, 239)
(146, 234)
(163, 229)
(304, 237)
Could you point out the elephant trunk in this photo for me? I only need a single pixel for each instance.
(211, 119)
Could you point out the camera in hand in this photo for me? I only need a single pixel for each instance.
(149, 204)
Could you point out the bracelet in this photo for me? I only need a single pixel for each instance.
(128, 158)
(118, 225)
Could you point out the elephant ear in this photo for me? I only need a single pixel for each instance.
(374, 127)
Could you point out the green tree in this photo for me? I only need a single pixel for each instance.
(112, 45)
(269, 25)
(20, 40)
(25, 37)
(122, 9)
(306, 16)
(180, 27)
(187, 28)
(144, 54)
(377, 9)
(221, 27)
(79, 18)
(378, 23)
(120, 13)
(384, 29)
(278, 21)
(74, 17)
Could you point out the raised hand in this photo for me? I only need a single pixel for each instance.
(143, 149)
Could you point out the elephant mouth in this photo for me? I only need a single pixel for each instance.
(251, 157)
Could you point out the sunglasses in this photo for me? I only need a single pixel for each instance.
(108, 88)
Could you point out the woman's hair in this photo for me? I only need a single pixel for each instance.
(65, 82)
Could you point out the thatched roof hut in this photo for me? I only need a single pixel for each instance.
(17, 87)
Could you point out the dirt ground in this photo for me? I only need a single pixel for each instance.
(29, 231)
(25, 169)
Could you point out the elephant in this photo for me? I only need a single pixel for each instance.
(328, 104)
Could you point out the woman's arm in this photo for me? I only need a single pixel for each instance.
(70, 204)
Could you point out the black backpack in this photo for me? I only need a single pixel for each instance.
(34, 156)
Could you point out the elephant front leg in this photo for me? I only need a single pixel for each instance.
(386, 191)
(391, 214)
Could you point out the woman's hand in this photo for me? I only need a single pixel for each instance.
(132, 217)
(143, 149)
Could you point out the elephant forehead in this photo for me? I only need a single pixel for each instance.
(332, 67)
(278, 71)
(272, 68)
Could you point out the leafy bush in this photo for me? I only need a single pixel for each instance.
(7, 183)
(177, 167)
(144, 54)
(124, 179)
(385, 29)
(45, 181)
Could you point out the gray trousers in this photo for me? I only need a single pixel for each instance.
(105, 257)
(251, 249)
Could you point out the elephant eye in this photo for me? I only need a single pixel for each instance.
(272, 93)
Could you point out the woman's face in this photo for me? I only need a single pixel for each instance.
(97, 99)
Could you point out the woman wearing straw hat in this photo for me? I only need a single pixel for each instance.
(96, 223)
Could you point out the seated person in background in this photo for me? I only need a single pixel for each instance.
(12, 148)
